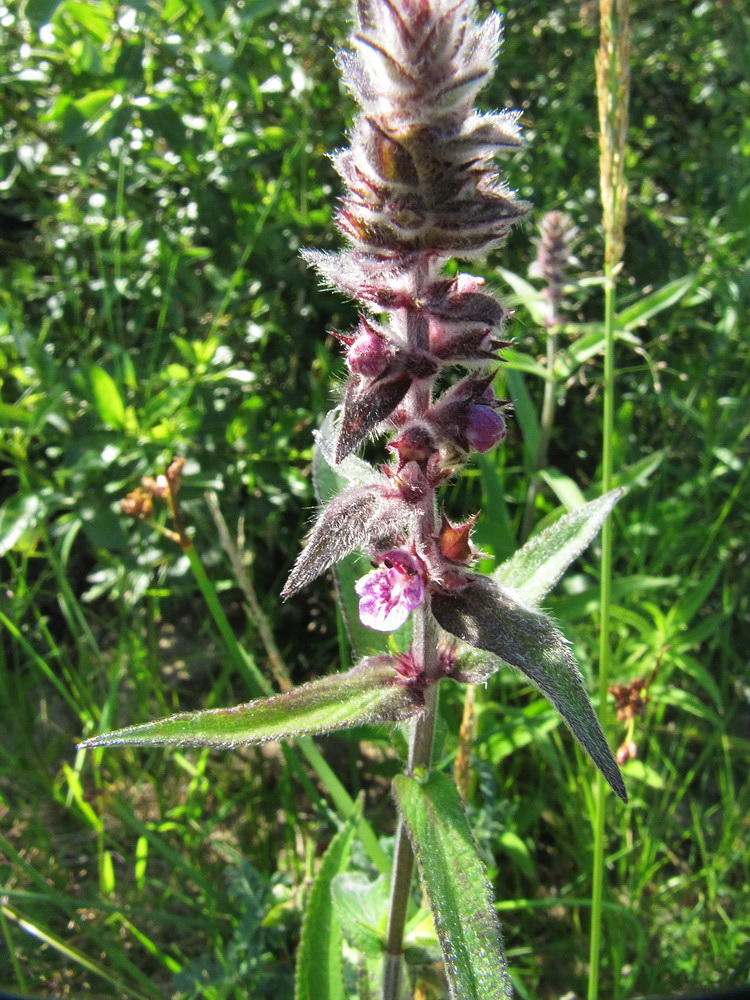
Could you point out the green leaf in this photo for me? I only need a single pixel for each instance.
(319, 961)
(107, 400)
(567, 490)
(487, 617)
(18, 515)
(524, 292)
(589, 345)
(460, 896)
(362, 908)
(525, 413)
(371, 692)
(534, 570)
(650, 305)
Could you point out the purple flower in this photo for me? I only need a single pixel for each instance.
(391, 591)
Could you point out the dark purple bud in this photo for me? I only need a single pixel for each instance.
(466, 415)
(485, 427)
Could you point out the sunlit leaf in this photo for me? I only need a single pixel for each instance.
(460, 896)
(371, 692)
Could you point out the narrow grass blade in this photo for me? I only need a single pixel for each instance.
(460, 896)
(319, 961)
(371, 692)
(649, 305)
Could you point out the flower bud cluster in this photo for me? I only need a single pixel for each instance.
(554, 257)
(421, 187)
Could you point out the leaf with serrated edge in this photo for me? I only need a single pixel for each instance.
(371, 692)
(318, 975)
(534, 570)
(459, 894)
(487, 617)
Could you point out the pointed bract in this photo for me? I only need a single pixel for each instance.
(488, 618)
(364, 518)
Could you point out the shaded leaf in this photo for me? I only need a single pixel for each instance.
(367, 402)
(362, 907)
(319, 962)
(459, 893)
(534, 570)
(489, 618)
(371, 692)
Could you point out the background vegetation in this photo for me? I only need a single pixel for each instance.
(160, 167)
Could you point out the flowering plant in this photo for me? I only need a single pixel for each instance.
(422, 188)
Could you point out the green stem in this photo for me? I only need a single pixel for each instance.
(597, 890)
(547, 422)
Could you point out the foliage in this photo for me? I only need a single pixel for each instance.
(161, 165)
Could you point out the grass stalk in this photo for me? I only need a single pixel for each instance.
(612, 85)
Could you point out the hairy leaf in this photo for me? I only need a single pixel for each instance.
(459, 894)
(534, 570)
(371, 692)
(367, 402)
(329, 480)
(487, 617)
(362, 517)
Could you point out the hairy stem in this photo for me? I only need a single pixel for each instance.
(420, 758)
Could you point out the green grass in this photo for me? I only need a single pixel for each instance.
(160, 178)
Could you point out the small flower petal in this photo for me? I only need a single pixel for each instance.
(390, 592)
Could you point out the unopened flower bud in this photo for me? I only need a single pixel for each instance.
(368, 354)
(485, 427)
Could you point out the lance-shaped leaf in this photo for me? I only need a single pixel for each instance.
(352, 471)
(487, 617)
(370, 692)
(330, 479)
(459, 894)
(367, 402)
(362, 517)
(534, 570)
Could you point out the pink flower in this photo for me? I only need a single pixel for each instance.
(391, 591)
